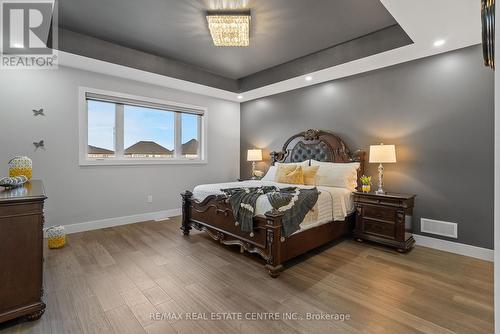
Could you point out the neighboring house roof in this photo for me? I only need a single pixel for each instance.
(98, 150)
(190, 147)
(147, 147)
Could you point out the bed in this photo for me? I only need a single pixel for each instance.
(206, 207)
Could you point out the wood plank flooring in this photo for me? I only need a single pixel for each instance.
(111, 280)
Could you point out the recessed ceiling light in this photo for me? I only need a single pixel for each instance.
(240, 97)
(439, 42)
(308, 78)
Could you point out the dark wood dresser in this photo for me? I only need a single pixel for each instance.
(21, 251)
(385, 219)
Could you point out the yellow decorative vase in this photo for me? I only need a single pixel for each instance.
(21, 166)
(366, 188)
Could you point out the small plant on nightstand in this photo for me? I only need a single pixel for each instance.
(366, 182)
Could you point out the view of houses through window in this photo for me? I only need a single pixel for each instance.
(148, 133)
(119, 130)
(190, 132)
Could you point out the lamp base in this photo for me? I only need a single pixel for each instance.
(380, 191)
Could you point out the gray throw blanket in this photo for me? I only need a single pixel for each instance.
(294, 202)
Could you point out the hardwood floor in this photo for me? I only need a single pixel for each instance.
(111, 280)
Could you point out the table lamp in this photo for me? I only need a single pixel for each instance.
(254, 155)
(382, 154)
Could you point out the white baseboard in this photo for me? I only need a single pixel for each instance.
(110, 222)
(455, 247)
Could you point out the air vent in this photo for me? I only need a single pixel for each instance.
(437, 227)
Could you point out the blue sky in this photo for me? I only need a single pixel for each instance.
(139, 124)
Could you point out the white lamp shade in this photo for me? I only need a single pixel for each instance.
(254, 155)
(382, 153)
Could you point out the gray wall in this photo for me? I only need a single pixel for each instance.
(81, 194)
(497, 184)
(438, 111)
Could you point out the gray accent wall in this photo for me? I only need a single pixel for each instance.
(438, 111)
(496, 268)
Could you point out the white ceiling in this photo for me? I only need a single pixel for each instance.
(425, 21)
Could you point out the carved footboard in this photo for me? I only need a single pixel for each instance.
(215, 216)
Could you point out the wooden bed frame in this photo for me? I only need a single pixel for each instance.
(214, 214)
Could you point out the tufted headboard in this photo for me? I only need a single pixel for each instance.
(318, 145)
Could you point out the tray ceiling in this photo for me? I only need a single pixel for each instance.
(281, 30)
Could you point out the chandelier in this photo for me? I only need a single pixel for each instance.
(229, 29)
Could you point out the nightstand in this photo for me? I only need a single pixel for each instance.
(385, 219)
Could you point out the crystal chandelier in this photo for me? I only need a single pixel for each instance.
(229, 29)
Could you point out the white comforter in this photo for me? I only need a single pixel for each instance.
(333, 203)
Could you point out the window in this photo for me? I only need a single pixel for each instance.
(190, 134)
(123, 129)
(148, 133)
(101, 133)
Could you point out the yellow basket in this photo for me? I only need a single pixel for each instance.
(21, 166)
(57, 242)
(56, 236)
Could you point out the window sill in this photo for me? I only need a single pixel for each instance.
(139, 162)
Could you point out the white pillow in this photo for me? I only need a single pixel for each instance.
(330, 174)
(271, 172)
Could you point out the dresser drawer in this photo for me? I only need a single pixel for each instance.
(379, 212)
(378, 228)
(21, 209)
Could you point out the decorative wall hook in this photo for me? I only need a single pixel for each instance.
(40, 144)
(38, 112)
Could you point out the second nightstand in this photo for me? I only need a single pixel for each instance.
(384, 219)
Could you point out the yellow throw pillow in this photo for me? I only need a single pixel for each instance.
(291, 174)
(310, 175)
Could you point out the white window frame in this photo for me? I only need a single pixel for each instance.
(84, 160)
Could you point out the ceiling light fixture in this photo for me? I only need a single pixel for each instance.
(439, 42)
(308, 78)
(240, 97)
(229, 28)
